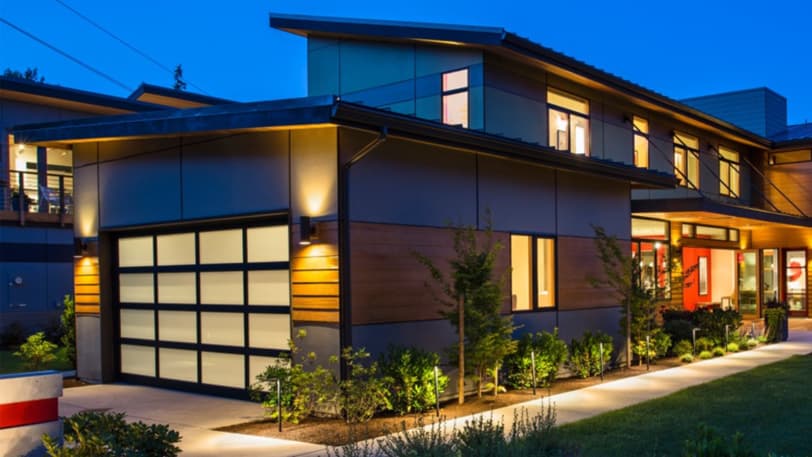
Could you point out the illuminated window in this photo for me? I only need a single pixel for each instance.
(455, 98)
(533, 272)
(686, 160)
(640, 127)
(650, 250)
(728, 172)
(569, 122)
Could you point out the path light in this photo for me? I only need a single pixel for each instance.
(648, 353)
(693, 337)
(727, 333)
(600, 349)
(437, 389)
(533, 367)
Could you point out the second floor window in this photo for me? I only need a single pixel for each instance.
(569, 122)
(532, 275)
(728, 172)
(686, 160)
(455, 98)
(640, 127)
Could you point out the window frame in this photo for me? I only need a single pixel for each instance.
(533, 273)
(551, 106)
(640, 133)
(456, 91)
(661, 293)
(683, 176)
(726, 187)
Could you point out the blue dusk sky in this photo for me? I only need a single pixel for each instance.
(680, 49)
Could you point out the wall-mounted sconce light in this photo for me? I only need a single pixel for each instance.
(79, 248)
(307, 231)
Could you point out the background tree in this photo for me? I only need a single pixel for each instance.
(36, 351)
(30, 74)
(472, 286)
(67, 322)
(180, 84)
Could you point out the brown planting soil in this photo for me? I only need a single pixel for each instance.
(72, 382)
(335, 432)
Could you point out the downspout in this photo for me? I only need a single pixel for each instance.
(345, 309)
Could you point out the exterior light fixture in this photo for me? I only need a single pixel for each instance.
(79, 248)
(307, 231)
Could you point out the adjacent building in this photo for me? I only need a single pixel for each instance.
(215, 233)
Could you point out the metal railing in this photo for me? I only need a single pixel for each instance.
(26, 193)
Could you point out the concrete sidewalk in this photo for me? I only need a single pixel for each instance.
(195, 415)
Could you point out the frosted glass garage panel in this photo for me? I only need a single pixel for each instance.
(138, 323)
(257, 365)
(135, 288)
(222, 328)
(268, 244)
(223, 369)
(180, 326)
(177, 288)
(135, 252)
(221, 288)
(177, 249)
(138, 360)
(269, 331)
(221, 246)
(178, 364)
(269, 287)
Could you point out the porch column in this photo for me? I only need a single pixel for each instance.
(42, 177)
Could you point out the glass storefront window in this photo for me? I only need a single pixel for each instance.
(796, 279)
(747, 282)
(769, 275)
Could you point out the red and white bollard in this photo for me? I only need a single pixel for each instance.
(29, 408)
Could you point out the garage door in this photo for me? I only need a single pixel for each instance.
(204, 309)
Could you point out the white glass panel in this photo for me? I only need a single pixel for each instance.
(455, 109)
(559, 130)
(176, 249)
(222, 328)
(650, 229)
(138, 323)
(268, 244)
(257, 365)
(270, 331)
(135, 252)
(221, 288)
(455, 80)
(177, 326)
(135, 288)
(137, 360)
(176, 288)
(269, 287)
(222, 246)
(580, 131)
(178, 364)
(681, 139)
(545, 272)
(570, 102)
(223, 369)
(520, 260)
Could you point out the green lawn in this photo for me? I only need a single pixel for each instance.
(770, 405)
(11, 364)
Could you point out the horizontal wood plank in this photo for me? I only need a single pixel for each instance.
(314, 263)
(86, 289)
(314, 289)
(330, 317)
(87, 309)
(314, 276)
(315, 303)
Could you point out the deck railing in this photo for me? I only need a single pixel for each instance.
(26, 193)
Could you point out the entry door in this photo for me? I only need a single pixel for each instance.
(795, 281)
(204, 309)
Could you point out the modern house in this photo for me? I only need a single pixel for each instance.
(217, 232)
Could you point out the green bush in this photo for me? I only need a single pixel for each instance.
(686, 358)
(718, 351)
(732, 347)
(585, 355)
(481, 437)
(705, 355)
(704, 344)
(678, 329)
(713, 323)
(432, 441)
(91, 434)
(751, 343)
(67, 324)
(12, 335)
(550, 353)
(363, 392)
(682, 348)
(708, 443)
(659, 343)
(36, 351)
(409, 377)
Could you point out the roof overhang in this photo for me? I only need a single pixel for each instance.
(708, 212)
(159, 95)
(327, 110)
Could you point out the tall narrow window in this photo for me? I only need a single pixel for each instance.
(686, 160)
(728, 172)
(568, 122)
(640, 127)
(532, 273)
(455, 98)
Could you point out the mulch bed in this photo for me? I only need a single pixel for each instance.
(335, 432)
(72, 382)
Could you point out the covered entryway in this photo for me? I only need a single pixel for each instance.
(203, 308)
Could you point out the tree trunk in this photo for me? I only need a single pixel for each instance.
(479, 382)
(496, 380)
(628, 333)
(461, 355)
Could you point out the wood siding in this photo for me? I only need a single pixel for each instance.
(793, 180)
(314, 276)
(86, 285)
(577, 262)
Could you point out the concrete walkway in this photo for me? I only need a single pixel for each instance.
(195, 415)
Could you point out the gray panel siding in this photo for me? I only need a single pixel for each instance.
(313, 173)
(573, 324)
(86, 201)
(434, 336)
(527, 119)
(366, 65)
(585, 202)
(323, 70)
(88, 348)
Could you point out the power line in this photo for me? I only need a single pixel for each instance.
(128, 45)
(66, 55)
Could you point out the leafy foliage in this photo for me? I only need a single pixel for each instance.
(683, 347)
(432, 441)
(704, 344)
(709, 443)
(658, 346)
(29, 74)
(409, 375)
(585, 354)
(363, 392)
(686, 358)
(67, 323)
(36, 351)
(550, 353)
(481, 437)
(96, 434)
(678, 329)
(705, 355)
(774, 320)
(732, 347)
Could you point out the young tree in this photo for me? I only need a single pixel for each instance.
(68, 323)
(180, 84)
(472, 292)
(30, 74)
(37, 351)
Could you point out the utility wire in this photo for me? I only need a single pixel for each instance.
(128, 45)
(66, 55)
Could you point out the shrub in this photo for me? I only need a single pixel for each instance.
(686, 358)
(550, 353)
(430, 441)
(678, 329)
(718, 351)
(704, 344)
(363, 392)
(585, 355)
(12, 336)
(92, 433)
(305, 386)
(708, 443)
(409, 377)
(37, 351)
(762, 339)
(481, 437)
(713, 323)
(682, 348)
(751, 343)
(705, 355)
(774, 319)
(67, 323)
(732, 347)
(537, 435)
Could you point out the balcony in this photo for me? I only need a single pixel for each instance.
(37, 198)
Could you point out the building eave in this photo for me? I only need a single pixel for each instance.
(670, 206)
